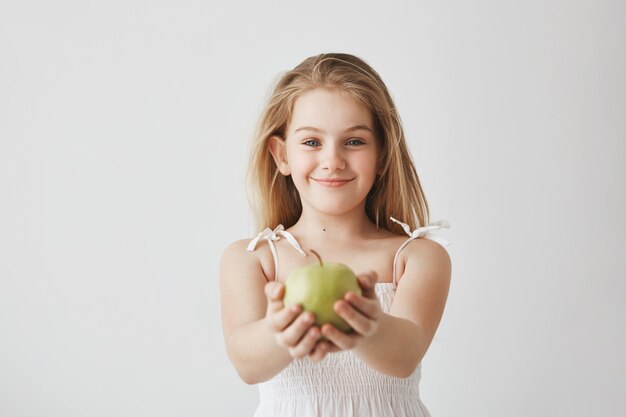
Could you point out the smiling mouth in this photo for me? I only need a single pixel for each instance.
(332, 182)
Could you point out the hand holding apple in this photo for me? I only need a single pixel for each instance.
(361, 312)
(292, 328)
(318, 287)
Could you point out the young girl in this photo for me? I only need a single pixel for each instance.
(333, 174)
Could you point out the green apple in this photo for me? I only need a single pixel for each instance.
(317, 287)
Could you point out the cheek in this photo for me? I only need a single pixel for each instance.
(367, 166)
(299, 162)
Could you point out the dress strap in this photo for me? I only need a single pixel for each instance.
(421, 232)
(271, 236)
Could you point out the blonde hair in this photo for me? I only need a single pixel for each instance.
(396, 191)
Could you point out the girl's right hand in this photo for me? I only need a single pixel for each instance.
(292, 328)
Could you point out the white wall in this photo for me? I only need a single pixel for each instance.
(123, 130)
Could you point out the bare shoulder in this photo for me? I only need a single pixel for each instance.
(424, 252)
(428, 255)
(237, 253)
(234, 254)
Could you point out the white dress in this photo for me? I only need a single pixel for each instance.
(342, 385)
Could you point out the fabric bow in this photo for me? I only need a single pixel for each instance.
(425, 230)
(420, 232)
(272, 236)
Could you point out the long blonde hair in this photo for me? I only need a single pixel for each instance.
(396, 191)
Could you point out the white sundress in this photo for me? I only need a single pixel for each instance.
(341, 385)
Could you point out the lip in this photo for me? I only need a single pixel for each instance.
(332, 182)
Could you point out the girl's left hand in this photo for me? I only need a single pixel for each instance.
(360, 311)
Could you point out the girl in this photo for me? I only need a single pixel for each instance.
(331, 167)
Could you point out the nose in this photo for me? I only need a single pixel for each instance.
(333, 159)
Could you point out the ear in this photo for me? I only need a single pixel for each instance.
(278, 150)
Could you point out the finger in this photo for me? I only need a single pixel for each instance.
(333, 348)
(368, 307)
(367, 282)
(282, 318)
(343, 341)
(306, 344)
(292, 335)
(327, 346)
(361, 324)
(274, 291)
(317, 355)
(319, 352)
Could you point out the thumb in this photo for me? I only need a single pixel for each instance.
(367, 281)
(274, 290)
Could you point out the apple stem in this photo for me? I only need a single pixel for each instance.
(318, 257)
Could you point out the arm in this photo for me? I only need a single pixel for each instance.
(262, 336)
(402, 337)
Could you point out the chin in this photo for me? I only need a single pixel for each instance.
(335, 208)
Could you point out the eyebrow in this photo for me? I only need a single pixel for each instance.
(350, 129)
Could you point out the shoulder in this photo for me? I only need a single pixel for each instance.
(429, 253)
(427, 258)
(236, 256)
(236, 250)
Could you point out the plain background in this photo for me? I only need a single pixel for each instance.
(124, 131)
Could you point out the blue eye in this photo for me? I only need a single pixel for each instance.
(356, 141)
(311, 141)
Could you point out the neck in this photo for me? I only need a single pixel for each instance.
(338, 228)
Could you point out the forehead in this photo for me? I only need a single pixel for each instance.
(329, 110)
